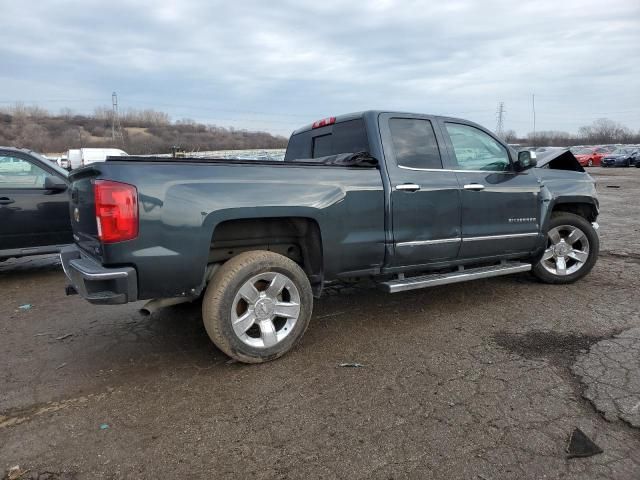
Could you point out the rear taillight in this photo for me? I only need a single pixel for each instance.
(116, 211)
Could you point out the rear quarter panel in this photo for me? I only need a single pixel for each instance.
(180, 206)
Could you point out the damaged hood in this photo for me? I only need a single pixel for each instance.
(561, 159)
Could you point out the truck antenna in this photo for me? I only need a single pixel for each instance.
(533, 107)
(500, 116)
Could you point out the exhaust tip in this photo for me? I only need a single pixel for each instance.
(156, 304)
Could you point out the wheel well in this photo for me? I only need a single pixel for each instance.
(295, 237)
(585, 210)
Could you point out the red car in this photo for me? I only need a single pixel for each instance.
(589, 156)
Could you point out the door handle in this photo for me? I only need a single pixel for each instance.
(474, 186)
(408, 187)
(6, 200)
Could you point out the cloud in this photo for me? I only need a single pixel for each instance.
(275, 66)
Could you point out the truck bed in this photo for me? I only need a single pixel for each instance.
(183, 201)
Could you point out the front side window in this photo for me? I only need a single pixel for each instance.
(475, 150)
(414, 143)
(19, 173)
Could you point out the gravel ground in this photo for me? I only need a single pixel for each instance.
(484, 380)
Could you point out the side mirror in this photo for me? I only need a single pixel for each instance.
(54, 184)
(526, 159)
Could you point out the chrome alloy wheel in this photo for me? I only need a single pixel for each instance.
(567, 250)
(265, 309)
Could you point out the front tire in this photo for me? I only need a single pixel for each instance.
(571, 250)
(590, 162)
(257, 306)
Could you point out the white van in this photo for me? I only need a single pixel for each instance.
(74, 158)
(85, 156)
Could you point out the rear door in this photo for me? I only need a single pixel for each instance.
(30, 215)
(425, 199)
(500, 207)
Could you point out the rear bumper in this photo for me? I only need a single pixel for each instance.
(98, 284)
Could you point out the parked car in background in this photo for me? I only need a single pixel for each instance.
(79, 157)
(589, 156)
(622, 157)
(34, 204)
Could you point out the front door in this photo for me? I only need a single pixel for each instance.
(30, 215)
(500, 207)
(425, 201)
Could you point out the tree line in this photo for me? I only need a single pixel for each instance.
(143, 132)
(601, 132)
(151, 131)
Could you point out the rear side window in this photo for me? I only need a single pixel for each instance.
(342, 137)
(414, 143)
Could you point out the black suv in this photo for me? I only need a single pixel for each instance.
(34, 204)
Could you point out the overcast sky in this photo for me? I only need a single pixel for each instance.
(277, 65)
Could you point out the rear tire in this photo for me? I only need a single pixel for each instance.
(571, 250)
(590, 162)
(257, 306)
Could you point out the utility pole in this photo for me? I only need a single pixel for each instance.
(116, 130)
(500, 116)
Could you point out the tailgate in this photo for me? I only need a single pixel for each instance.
(83, 213)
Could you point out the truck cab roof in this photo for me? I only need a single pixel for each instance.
(372, 114)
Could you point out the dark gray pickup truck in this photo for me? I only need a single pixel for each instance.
(409, 200)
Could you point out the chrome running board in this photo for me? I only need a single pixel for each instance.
(462, 275)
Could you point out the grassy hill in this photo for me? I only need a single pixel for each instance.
(143, 131)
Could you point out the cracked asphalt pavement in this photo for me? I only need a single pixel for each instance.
(483, 380)
(611, 374)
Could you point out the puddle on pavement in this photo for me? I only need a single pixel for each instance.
(559, 348)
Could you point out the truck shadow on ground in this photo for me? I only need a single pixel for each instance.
(341, 311)
(174, 337)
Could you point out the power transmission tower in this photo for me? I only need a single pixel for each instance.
(116, 130)
(500, 116)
